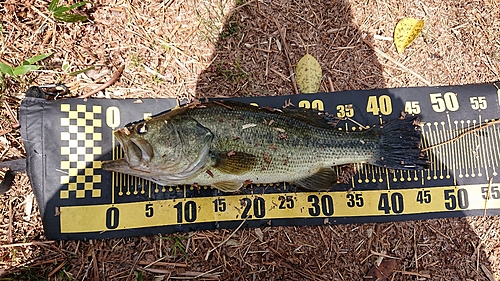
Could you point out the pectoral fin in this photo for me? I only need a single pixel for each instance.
(235, 162)
(228, 186)
(322, 180)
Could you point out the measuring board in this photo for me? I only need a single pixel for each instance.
(66, 140)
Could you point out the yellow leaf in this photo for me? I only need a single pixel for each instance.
(406, 31)
(308, 74)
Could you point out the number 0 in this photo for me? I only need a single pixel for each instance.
(113, 117)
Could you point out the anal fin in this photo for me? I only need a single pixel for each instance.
(322, 180)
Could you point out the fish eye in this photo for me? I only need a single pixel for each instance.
(142, 128)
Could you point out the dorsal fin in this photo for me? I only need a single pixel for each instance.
(311, 117)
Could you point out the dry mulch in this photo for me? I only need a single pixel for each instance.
(193, 49)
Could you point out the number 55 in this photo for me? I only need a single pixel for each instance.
(478, 103)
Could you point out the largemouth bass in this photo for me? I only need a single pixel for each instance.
(228, 145)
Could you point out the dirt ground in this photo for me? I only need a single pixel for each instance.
(193, 49)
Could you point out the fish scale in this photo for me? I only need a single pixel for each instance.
(306, 147)
(227, 144)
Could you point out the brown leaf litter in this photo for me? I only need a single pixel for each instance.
(195, 49)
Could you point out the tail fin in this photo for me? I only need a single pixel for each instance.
(400, 145)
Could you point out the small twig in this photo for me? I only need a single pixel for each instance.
(57, 269)
(478, 254)
(27, 244)
(330, 82)
(15, 123)
(462, 135)
(383, 255)
(5, 132)
(160, 263)
(223, 242)
(201, 274)
(95, 266)
(487, 273)
(267, 58)
(105, 85)
(135, 262)
(287, 56)
(490, 180)
(357, 123)
(413, 273)
(386, 56)
(415, 249)
(224, 105)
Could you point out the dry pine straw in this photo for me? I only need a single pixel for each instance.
(193, 49)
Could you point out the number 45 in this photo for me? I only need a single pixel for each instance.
(478, 103)
(412, 107)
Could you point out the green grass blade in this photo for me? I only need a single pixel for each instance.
(139, 276)
(6, 69)
(53, 5)
(77, 5)
(36, 58)
(2, 84)
(70, 17)
(61, 10)
(23, 69)
(75, 73)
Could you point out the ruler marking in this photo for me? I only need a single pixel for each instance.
(427, 140)
(477, 145)
(479, 158)
(425, 144)
(387, 178)
(451, 155)
(473, 150)
(113, 174)
(436, 151)
(442, 156)
(373, 173)
(380, 173)
(483, 149)
(470, 151)
(464, 150)
(460, 155)
(495, 148)
(447, 156)
(489, 149)
(93, 218)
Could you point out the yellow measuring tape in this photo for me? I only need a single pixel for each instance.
(329, 205)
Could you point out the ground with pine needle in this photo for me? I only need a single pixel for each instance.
(190, 50)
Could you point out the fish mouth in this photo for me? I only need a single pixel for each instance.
(138, 152)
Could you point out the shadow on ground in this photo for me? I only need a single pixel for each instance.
(250, 59)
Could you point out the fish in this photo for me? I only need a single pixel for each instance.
(228, 145)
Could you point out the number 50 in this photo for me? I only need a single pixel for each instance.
(448, 101)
